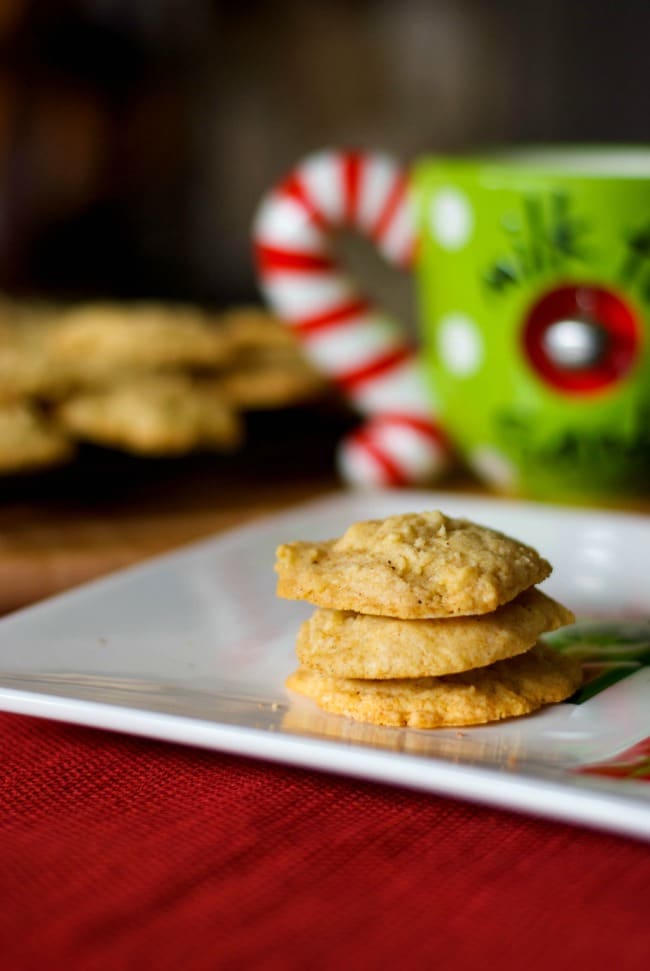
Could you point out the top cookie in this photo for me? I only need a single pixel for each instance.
(410, 566)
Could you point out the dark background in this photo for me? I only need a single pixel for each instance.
(136, 136)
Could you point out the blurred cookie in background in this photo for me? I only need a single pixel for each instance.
(147, 378)
(101, 341)
(267, 368)
(27, 366)
(153, 415)
(29, 440)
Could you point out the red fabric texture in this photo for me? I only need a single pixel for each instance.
(120, 853)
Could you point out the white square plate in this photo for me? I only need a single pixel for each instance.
(194, 647)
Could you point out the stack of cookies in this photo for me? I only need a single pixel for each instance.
(425, 621)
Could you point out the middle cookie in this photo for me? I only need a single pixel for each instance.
(344, 644)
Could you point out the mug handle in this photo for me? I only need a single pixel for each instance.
(349, 339)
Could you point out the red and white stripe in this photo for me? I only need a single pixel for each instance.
(346, 336)
(393, 450)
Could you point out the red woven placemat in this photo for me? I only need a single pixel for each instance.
(119, 853)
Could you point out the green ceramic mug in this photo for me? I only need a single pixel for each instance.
(533, 272)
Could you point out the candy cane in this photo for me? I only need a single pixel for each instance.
(343, 333)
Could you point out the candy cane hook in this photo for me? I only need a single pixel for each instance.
(348, 338)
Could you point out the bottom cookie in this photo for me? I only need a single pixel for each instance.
(516, 686)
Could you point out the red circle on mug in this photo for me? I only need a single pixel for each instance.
(581, 338)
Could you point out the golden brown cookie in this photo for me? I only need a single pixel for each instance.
(100, 341)
(270, 384)
(343, 644)
(27, 367)
(29, 441)
(254, 330)
(267, 367)
(417, 565)
(155, 415)
(516, 686)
